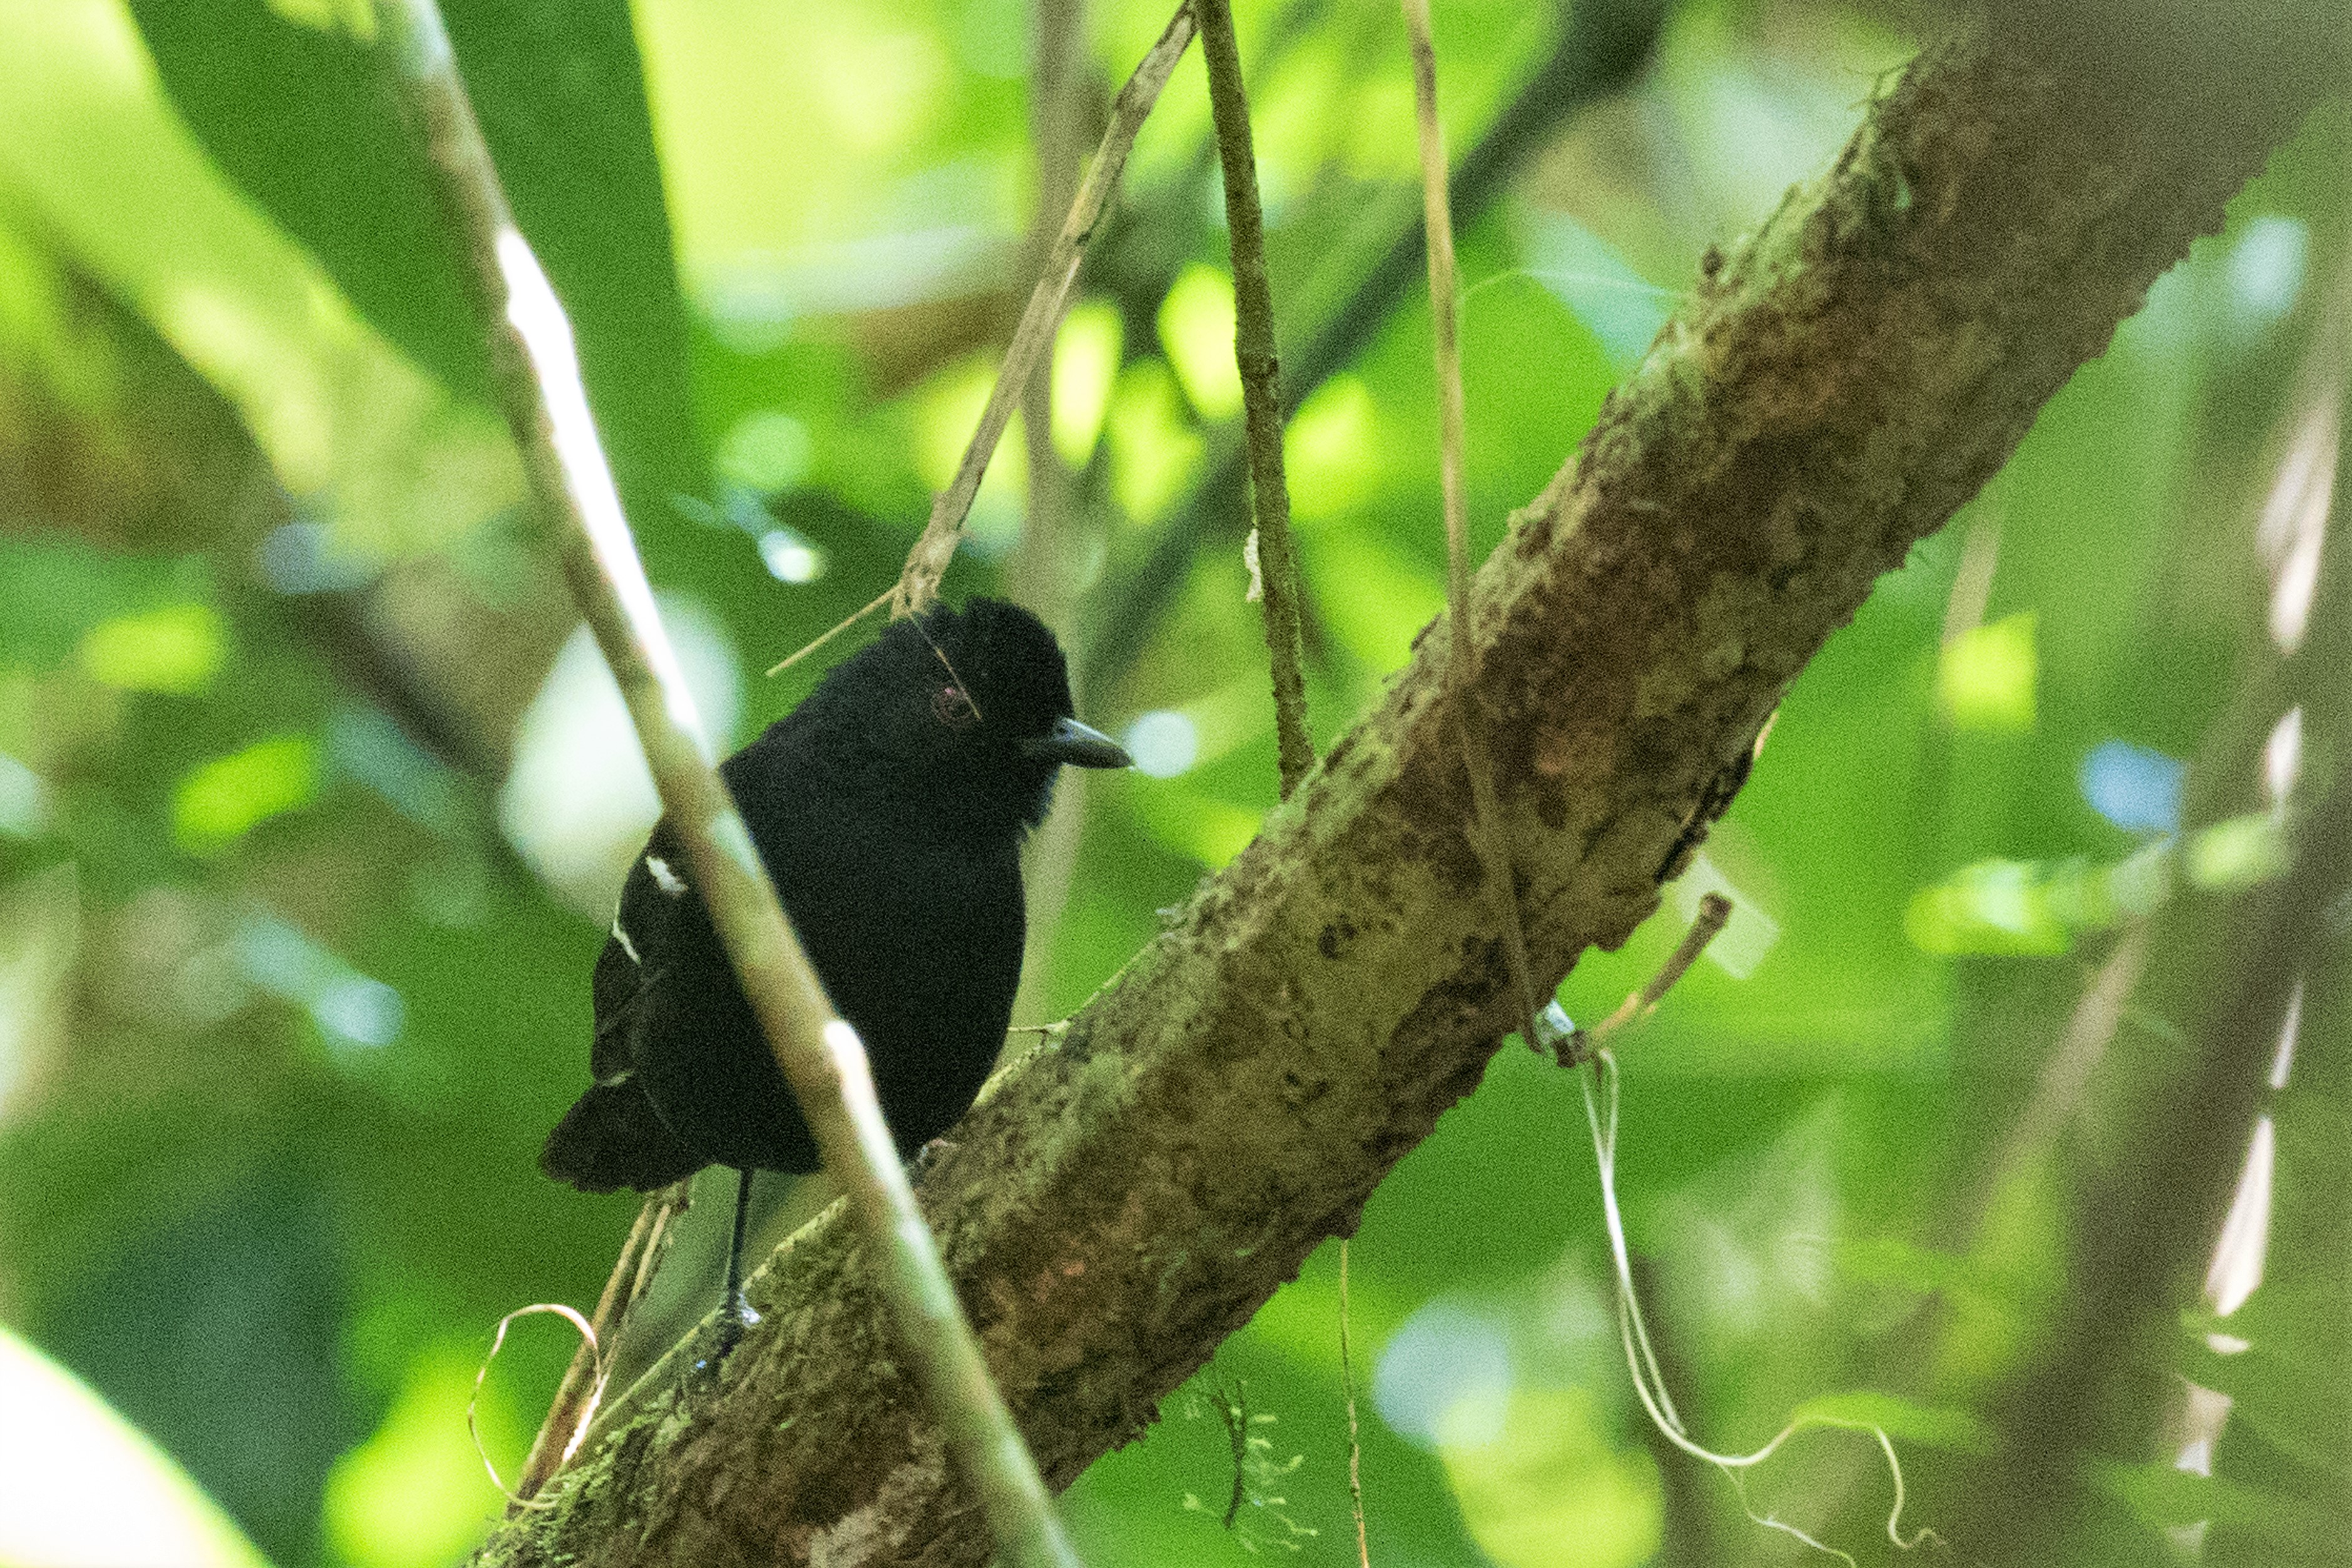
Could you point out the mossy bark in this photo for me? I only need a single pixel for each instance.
(1131, 1193)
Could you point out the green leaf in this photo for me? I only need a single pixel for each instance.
(286, 98)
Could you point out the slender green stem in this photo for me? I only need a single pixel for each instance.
(536, 372)
(1461, 657)
(1261, 374)
(1355, 1442)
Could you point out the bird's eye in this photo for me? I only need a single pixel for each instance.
(953, 708)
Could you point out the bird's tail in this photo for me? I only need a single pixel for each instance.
(612, 1138)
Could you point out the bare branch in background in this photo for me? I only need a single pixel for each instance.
(1603, 45)
(927, 563)
(1137, 1187)
(536, 371)
(1261, 378)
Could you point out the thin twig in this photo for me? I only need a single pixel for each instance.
(1355, 1444)
(927, 563)
(822, 638)
(1461, 657)
(1261, 376)
(576, 1397)
(536, 372)
(1233, 1409)
(1059, 531)
(1714, 910)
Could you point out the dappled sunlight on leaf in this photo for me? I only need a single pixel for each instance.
(579, 801)
(1086, 362)
(1196, 329)
(1332, 450)
(1986, 678)
(1376, 598)
(178, 648)
(1151, 448)
(227, 798)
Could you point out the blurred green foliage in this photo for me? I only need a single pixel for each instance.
(306, 829)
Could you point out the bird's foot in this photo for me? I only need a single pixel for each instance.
(725, 1333)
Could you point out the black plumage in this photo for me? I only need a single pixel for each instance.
(889, 807)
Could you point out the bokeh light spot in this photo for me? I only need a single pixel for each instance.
(1086, 362)
(1544, 1488)
(220, 801)
(87, 1490)
(24, 799)
(767, 451)
(178, 648)
(414, 1494)
(1985, 679)
(2266, 268)
(2137, 789)
(1443, 1375)
(788, 557)
(1196, 328)
(1164, 743)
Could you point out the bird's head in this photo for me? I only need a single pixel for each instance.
(973, 707)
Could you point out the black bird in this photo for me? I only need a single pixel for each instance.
(889, 807)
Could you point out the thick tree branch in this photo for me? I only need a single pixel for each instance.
(1132, 1191)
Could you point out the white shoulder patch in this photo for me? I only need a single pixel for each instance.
(627, 945)
(668, 880)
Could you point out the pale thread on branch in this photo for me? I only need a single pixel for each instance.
(1486, 826)
(1261, 378)
(536, 375)
(927, 563)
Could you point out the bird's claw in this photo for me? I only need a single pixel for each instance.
(727, 1331)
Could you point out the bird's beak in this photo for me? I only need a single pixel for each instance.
(1078, 745)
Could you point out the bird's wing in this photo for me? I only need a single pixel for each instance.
(639, 954)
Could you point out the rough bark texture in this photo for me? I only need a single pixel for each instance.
(1132, 1192)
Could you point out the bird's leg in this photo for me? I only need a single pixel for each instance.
(739, 1316)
